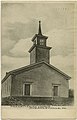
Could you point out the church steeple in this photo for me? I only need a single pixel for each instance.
(39, 51)
(39, 31)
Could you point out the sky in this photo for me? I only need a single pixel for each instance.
(20, 24)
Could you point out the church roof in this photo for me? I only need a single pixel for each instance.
(45, 47)
(40, 36)
(32, 66)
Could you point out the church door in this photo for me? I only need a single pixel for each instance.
(55, 91)
(27, 89)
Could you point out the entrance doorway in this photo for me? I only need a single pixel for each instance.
(55, 90)
(27, 89)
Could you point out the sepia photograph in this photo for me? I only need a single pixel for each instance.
(37, 54)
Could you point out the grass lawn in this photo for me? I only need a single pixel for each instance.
(23, 101)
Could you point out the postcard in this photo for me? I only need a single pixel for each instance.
(38, 59)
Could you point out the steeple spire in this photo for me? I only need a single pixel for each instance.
(39, 51)
(39, 31)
